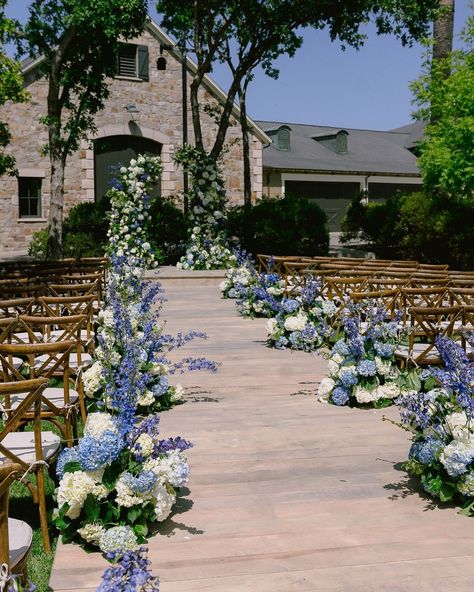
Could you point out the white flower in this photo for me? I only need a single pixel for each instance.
(458, 425)
(271, 326)
(337, 358)
(92, 377)
(329, 308)
(364, 395)
(177, 393)
(326, 386)
(91, 533)
(118, 538)
(390, 390)
(164, 501)
(456, 456)
(73, 490)
(146, 398)
(172, 468)
(333, 368)
(383, 367)
(144, 444)
(128, 498)
(97, 423)
(296, 322)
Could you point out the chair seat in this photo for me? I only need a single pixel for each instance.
(22, 444)
(20, 536)
(56, 333)
(403, 351)
(55, 394)
(86, 360)
(25, 337)
(17, 363)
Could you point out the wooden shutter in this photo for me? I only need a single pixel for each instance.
(143, 68)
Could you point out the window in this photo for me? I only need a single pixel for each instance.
(132, 61)
(29, 193)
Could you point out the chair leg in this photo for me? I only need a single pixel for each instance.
(42, 510)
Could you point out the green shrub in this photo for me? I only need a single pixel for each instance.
(416, 226)
(167, 229)
(288, 226)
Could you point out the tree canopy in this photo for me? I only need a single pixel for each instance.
(78, 40)
(447, 150)
(11, 86)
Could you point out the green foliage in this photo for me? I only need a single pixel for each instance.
(278, 227)
(11, 86)
(415, 226)
(444, 95)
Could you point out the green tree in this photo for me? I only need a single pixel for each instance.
(261, 31)
(447, 150)
(11, 86)
(78, 41)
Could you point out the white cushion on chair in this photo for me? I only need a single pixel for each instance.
(22, 444)
(20, 537)
(402, 351)
(86, 360)
(55, 394)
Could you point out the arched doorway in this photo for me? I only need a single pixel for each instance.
(112, 152)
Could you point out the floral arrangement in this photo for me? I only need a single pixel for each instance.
(207, 246)
(131, 572)
(263, 298)
(130, 203)
(361, 365)
(113, 484)
(121, 477)
(238, 279)
(439, 411)
(302, 323)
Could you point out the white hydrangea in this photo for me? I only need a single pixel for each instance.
(146, 398)
(177, 393)
(106, 317)
(99, 422)
(383, 367)
(456, 456)
(73, 490)
(172, 468)
(364, 395)
(164, 501)
(91, 533)
(329, 308)
(126, 497)
(118, 538)
(326, 386)
(388, 390)
(92, 377)
(458, 425)
(333, 367)
(296, 322)
(144, 444)
(271, 326)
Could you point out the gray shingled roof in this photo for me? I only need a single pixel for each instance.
(367, 151)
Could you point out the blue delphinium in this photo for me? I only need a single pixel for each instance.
(130, 573)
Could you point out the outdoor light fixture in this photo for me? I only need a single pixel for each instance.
(131, 108)
(161, 61)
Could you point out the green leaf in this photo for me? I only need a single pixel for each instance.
(72, 466)
(91, 508)
(447, 491)
(134, 513)
(111, 475)
(141, 530)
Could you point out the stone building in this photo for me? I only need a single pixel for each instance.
(143, 114)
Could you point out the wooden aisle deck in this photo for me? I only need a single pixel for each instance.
(286, 494)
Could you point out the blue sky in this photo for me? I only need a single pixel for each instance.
(325, 86)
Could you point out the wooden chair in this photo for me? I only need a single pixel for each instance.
(17, 306)
(60, 306)
(32, 451)
(16, 536)
(426, 323)
(47, 360)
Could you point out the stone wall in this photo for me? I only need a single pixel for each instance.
(159, 118)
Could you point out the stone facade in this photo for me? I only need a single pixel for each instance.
(159, 118)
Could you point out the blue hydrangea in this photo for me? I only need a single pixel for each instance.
(94, 454)
(281, 343)
(367, 368)
(290, 305)
(339, 396)
(141, 483)
(65, 456)
(348, 376)
(384, 350)
(341, 348)
(425, 451)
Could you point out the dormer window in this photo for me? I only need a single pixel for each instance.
(280, 137)
(132, 61)
(337, 142)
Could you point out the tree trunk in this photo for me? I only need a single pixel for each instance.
(245, 144)
(443, 31)
(54, 249)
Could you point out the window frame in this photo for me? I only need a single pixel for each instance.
(142, 68)
(30, 198)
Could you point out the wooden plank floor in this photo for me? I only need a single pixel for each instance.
(286, 494)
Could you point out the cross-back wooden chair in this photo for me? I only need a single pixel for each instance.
(404, 263)
(461, 296)
(434, 266)
(461, 282)
(296, 275)
(388, 299)
(60, 306)
(31, 451)
(341, 287)
(17, 306)
(60, 404)
(16, 536)
(426, 323)
(393, 273)
(386, 283)
(22, 291)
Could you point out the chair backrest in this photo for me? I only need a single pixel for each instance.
(60, 306)
(389, 299)
(16, 306)
(461, 296)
